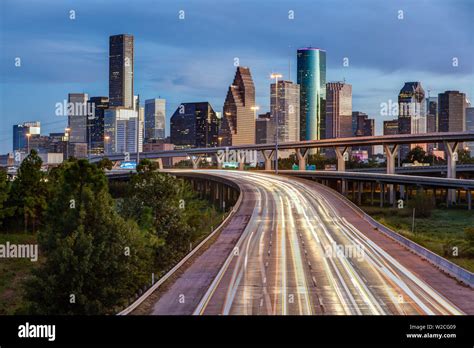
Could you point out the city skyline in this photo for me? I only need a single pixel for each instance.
(195, 79)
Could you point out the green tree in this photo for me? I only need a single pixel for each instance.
(464, 157)
(105, 163)
(163, 205)
(5, 186)
(95, 260)
(416, 154)
(29, 192)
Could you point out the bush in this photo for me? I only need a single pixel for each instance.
(423, 204)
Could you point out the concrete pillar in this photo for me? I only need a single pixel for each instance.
(160, 163)
(341, 158)
(359, 193)
(196, 159)
(451, 159)
(469, 199)
(390, 154)
(382, 194)
(344, 187)
(301, 154)
(372, 189)
(402, 191)
(241, 159)
(267, 155)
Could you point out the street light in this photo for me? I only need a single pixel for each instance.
(106, 141)
(255, 109)
(276, 76)
(219, 141)
(28, 135)
(66, 134)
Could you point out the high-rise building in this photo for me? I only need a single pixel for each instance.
(338, 110)
(452, 111)
(411, 113)
(431, 115)
(121, 71)
(265, 129)
(364, 127)
(194, 125)
(238, 128)
(390, 127)
(20, 131)
(287, 110)
(155, 119)
(470, 127)
(95, 124)
(77, 117)
(311, 76)
(120, 131)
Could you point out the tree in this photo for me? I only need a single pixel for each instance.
(161, 204)
(422, 203)
(5, 186)
(29, 192)
(105, 163)
(464, 157)
(416, 154)
(95, 260)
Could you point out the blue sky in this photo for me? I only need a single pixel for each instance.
(193, 59)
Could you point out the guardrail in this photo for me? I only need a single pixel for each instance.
(155, 286)
(441, 263)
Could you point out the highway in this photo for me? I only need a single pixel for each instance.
(299, 255)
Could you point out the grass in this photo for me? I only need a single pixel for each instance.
(13, 272)
(440, 232)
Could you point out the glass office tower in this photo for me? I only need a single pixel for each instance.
(311, 76)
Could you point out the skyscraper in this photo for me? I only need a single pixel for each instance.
(95, 124)
(288, 110)
(155, 119)
(77, 117)
(194, 125)
(390, 127)
(411, 113)
(120, 131)
(311, 76)
(338, 110)
(265, 129)
(20, 131)
(452, 111)
(239, 124)
(470, 127)
(364, 127)
(121, 70)
(431, 115)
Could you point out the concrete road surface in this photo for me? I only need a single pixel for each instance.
(302, 249)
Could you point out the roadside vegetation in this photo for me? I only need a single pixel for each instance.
(99, 245)
(448, 232)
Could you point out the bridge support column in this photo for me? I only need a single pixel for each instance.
(359, 193)
(341, 158)
(390, 154)
(469, 199)
(267, 155)
(372, 189)
(344, 187)
(241, 159)
(160, 163)
(196, 160)
(451, 158)
(382, 194)
(301, 154)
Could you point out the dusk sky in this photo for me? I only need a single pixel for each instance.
(192, 60)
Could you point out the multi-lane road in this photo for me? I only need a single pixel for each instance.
(303, 249)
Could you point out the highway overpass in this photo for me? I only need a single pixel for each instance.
(297, 247)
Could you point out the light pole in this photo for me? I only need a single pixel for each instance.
(106, 142)
(66, 135)
(28, 135)
(255, 109)
(276, 76)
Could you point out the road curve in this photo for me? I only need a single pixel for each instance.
(306, 251)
